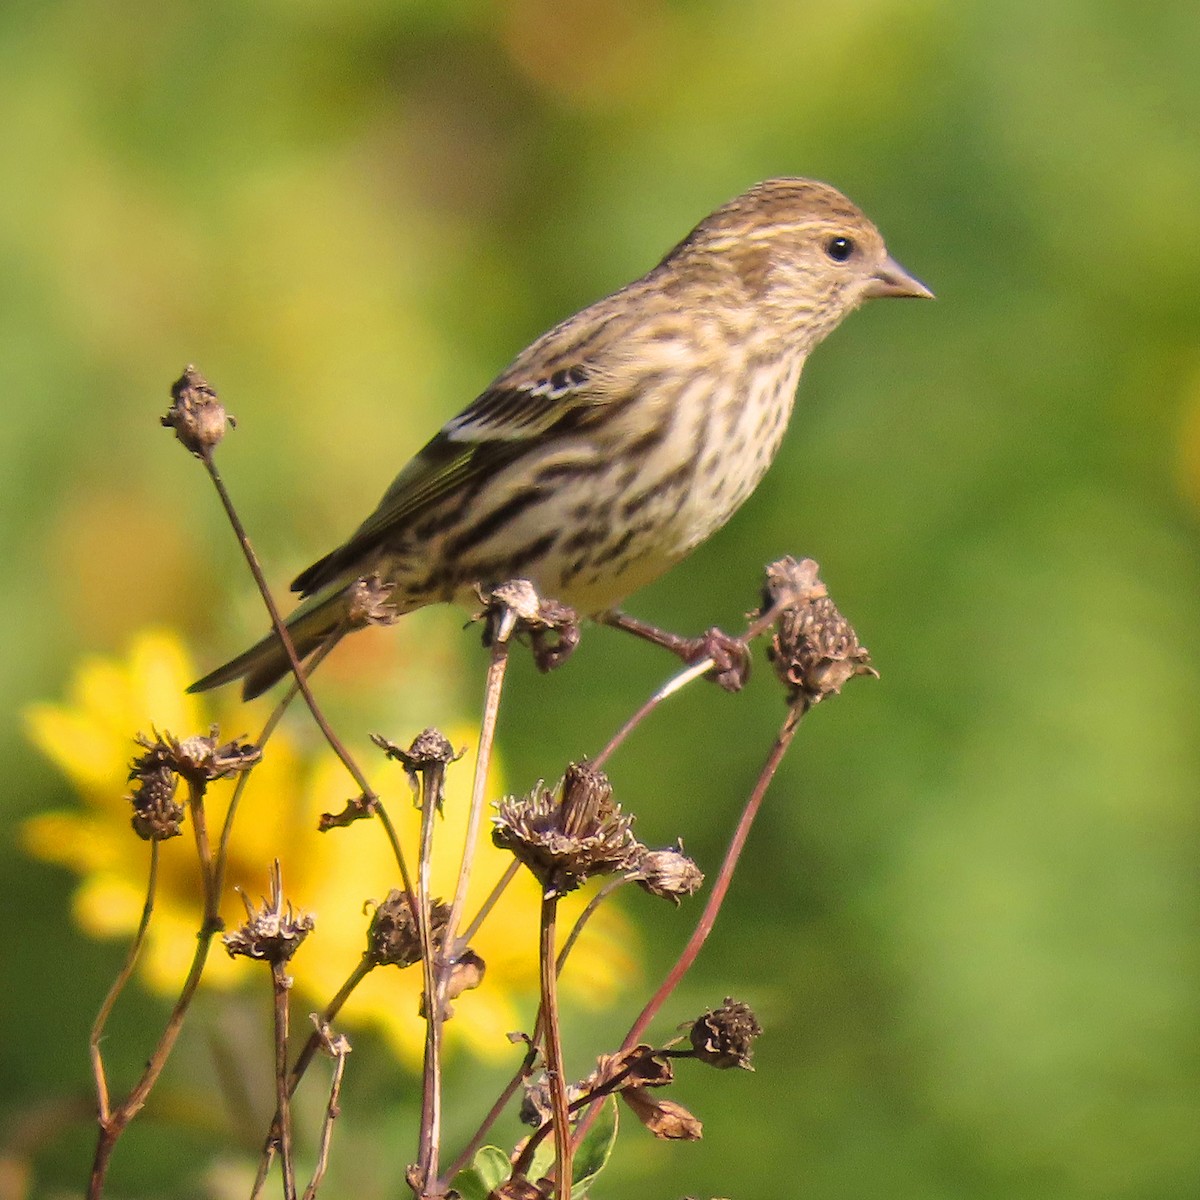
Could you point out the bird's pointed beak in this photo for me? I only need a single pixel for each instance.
(893, 280)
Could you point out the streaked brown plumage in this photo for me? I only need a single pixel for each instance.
(620, 440)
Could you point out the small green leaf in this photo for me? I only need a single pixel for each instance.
(595, 1149)
(593, 1152)
(488, 1170)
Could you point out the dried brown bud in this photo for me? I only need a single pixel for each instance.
(664, 1118)
(536, 1108)
(639, 1066)
(393, 938)
(198, 759)
(724, 1037)
(515, 607)
(197, 416)
(273, 933)
(357, 809)
(815, 649)
(157, 815)
(425, 760)
(669, 874)
(369, 603)
(466, 974)
(566, 836)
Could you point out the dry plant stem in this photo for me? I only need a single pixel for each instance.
(281, 985)
(783, 739)
(554, 1061)
(118, 986)
(674, 684)
(331, 1115)
(677, 682)
(431, 1089)
(362, 969)
(212, 901)
(510, 873)
(487, 736)
(281, 632)
(112, 1128)
(243, 778)
(298, 673)
(525, 1069)
(721, 884)
(583, 918)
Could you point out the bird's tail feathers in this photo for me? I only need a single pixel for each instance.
(266, 662)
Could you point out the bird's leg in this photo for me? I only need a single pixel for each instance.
(730, 655)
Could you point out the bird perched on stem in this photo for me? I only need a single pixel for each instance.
(620, 440)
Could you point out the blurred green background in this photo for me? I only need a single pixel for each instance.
(968, 920)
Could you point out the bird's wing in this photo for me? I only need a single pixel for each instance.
(493, 430)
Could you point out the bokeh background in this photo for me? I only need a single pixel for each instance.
(969, 916)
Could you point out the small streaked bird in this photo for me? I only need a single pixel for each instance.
(620, 440)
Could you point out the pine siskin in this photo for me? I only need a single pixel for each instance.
(620, 440)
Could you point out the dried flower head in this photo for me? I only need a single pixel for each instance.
(393, 938)
(815, 649)
(668, 873)
(369, 602)
(157, 815)
(274, 932)
(197, 416)
(551, 628)
(567, 835)
(198, 759)
(425, 761)
(724, 1037)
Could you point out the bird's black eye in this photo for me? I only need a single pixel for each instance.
(839, 248)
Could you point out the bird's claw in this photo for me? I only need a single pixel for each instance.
(730, 656)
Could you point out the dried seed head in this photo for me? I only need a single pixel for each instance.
(724, 1037)
(815, 649)
(515, 607)
(157, 815)
(566, 836)
(198, 759)
(425, 761)
(197, 416)
(393, 938)
(274, 932)
(667, 873)
(369, 603)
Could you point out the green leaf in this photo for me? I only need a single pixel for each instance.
(488, 1170)
(595, 1149)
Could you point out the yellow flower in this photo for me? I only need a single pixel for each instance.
(335, 875)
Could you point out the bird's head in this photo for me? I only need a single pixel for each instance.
(799, 252)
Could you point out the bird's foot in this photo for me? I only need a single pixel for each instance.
(730, 655)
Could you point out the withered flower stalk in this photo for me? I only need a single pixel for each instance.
(192, 383)
(793, 591)
(272, 934)
(425, 763)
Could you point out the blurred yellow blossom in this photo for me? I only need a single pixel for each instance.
(335, 875)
